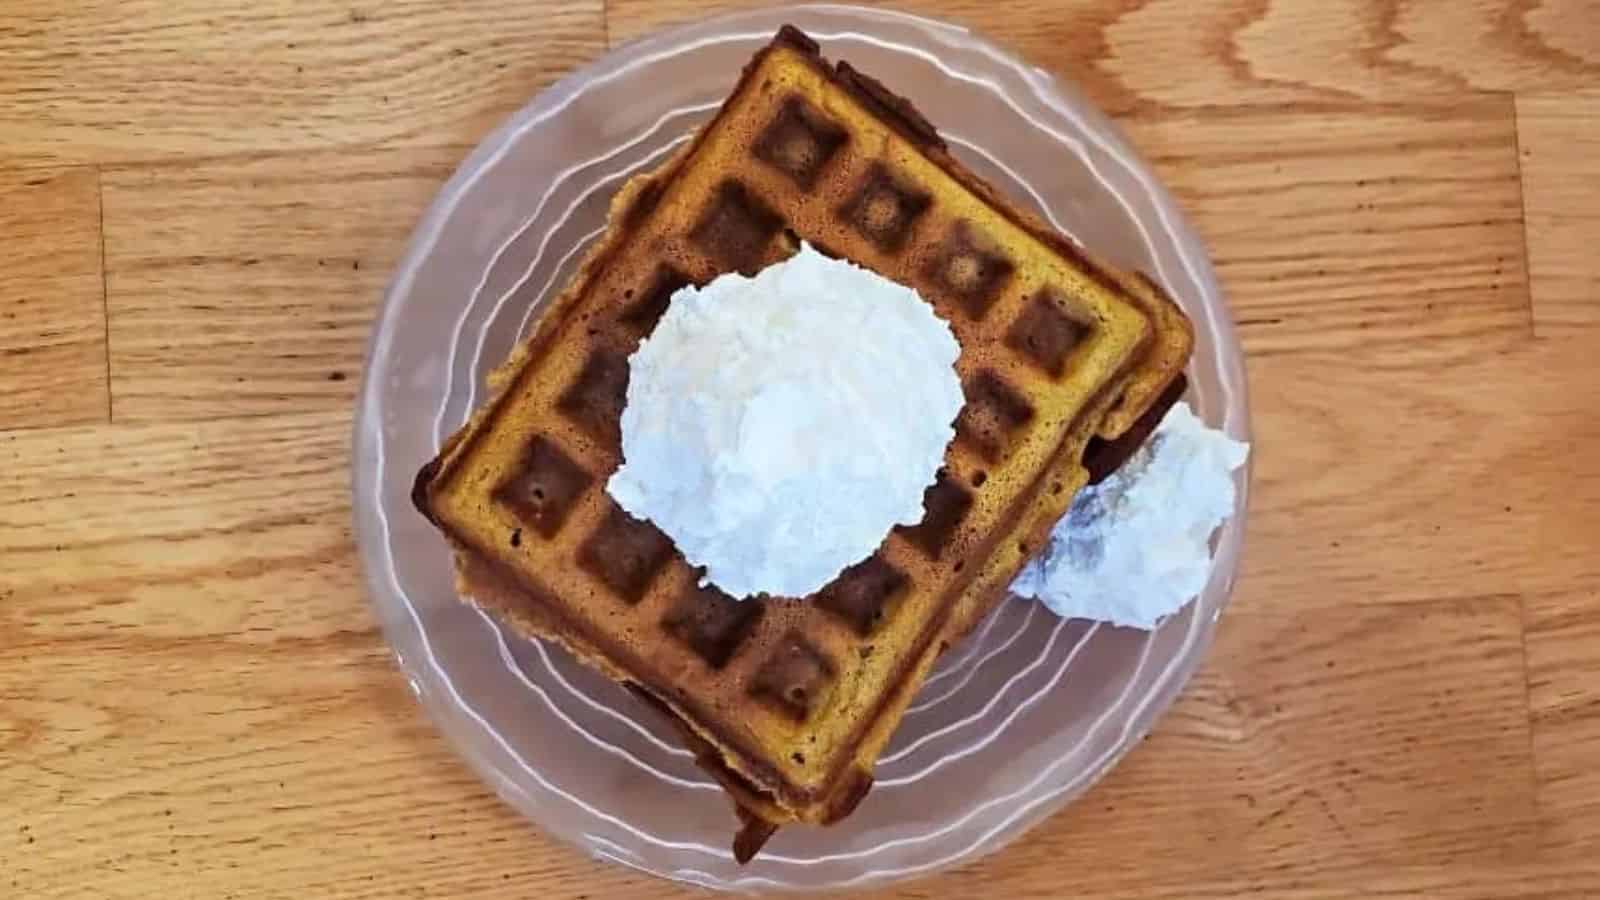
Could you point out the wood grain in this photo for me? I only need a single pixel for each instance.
(1564, 691)
(1563, 625)
(195, 701)
(1344, 226)
(1384, 477)
(122, 80)
(177, 692)
(1292, 737)
(225, 514)
(135, 766)
(266, 308)
(52, 314)
(1222, 53)
(1560, 139)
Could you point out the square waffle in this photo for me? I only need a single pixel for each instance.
(789, 700)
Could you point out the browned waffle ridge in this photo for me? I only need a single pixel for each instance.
(790, 698)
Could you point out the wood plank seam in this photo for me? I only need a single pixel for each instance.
(1541, 825)
(276, 296)
(267, 155)
(1527, 262)
(49, 297)
(105, 300)
(1559, 146)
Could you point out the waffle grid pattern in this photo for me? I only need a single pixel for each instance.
(783, 168)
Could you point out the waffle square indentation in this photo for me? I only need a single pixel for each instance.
(863, 594)
(625, 554)
(945, 504)
(885, 209)
(596, 397)
(736, 228)
(711, 623)
(650, 305)
(992, 416)
(799, 142)
(795, 678)
(1045, 333)
(967, 268)
(544, 487)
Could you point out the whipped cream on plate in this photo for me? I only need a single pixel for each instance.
(777, 427)
(1135, 548)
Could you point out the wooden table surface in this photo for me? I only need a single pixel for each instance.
(200, 201)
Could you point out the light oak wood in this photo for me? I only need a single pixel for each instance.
(1560, 140)
(1293, 735)
(148, 675)
(52, 314)
(178, 530)
(120, 80)
(1564, 694)
(1390, 476)
(264, 308)
(1343, 226)
(1404, 699)
(1563, 623)
(1221, 53)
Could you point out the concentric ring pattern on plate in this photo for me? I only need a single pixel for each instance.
(1013, 723)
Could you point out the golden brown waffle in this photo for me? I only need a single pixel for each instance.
(789, 700)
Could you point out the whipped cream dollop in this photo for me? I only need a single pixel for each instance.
(1136, 547)
(777, 427)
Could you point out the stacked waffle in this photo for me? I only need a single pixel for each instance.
(788, 701)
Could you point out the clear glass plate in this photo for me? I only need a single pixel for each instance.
(1013, 724)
